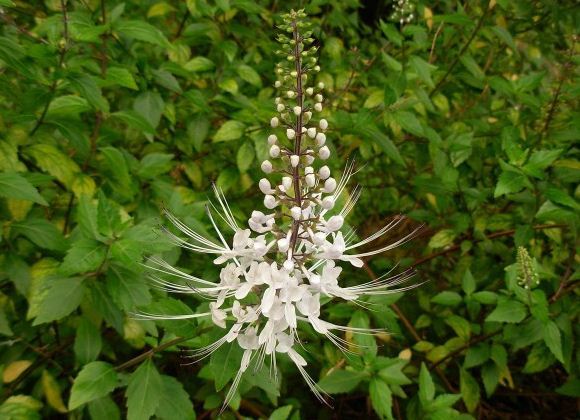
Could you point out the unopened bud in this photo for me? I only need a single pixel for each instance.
(294, 160)
(290, 133)
(280, 107)
(319, 238)
(287, 183)
(277, 83)
(306, 117)
(290, 93)
(309, 91)
(334, 223)
(318, 98)
(323, 124)
(270, 202)
(272, 139)
(274, 122)
(310, 180)
(321, 85)
(266, 166)
(324, 152)
(309, 159)
(274, 151)
(296, 212)
(327, 203)
(283, 245)
(297, 110)
(324, 172)
(265, 186)
(330, 185)
(311, 132)
(320, 139)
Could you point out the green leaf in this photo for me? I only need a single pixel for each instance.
(426, 386)
(174, 402)
(87, 342)
(155, 164)
(84, 255)
(341, 381)
(490, 378)
(122, 77)
(507, 310)
(150, 106)
(281, 413)
(553, 340)
(469, 390)
(225, 363)
(88, 88)
(372, 133)
(539, 161)
(55, 162)
(539, 359)
(447, 298)
(95, 380)
(13, 185)
(167, 80)
(144, 392)
(476, 356)
(381, 398)
(199, 65)
(128, 289)
(141, 31)
(444, 401)
(245, 156)
(230, 130)
(468, 283)
(366, 342)
(249, 75)
(42, 233)
(510, 182)
(63, 297)
(393, 374)
(135, 120)
(104, 408)
(485, 297)
(561, 197)
(409, 122)
(460, 325)
(442, 239)
(423, 70)
(67, 106)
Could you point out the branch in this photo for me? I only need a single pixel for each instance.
(150, 353)
(62, 53)
(462, 51)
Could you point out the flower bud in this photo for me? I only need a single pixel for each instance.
(270, 202)
(328, 203)
(324, 172)
(277, 83)
(308, 170)
(297, 110)
(296, 212)
(274, 151)
(320, 139)
(306, 117)
(280, 107)
(316, 68)
(321, 85)
(290, 133)
(319, 238)
(287, 183)
(294, 160)
(309, 159)
(274, 122)
(283, 245)
(318, 98)
(324, 152)
(265, 186)
(309, 91)
(290, 93)
(278, 100)
(266, 166)
(310, 180)
(334, 223)
(330, 185)
(272, 139)
(318, 107)
(311, 132)
(293, 73)
(323, 124)
(303, 130)
(288, 264)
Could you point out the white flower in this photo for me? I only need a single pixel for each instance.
(275, 273)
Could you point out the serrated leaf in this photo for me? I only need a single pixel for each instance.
(87, 342)
(553, 340)
(510, 182)
(63, 297)
(507, 310)
(135, 120)
(225, 362)
(84, 255)
(381, 398)
(469, 390)
(142, 31)
(174, 402)
(447, 298)
(144, 392)
(426, 385)
(230, 130)
(341, 381)
(122, 77)
(95, 380)
(42, 233)
(250, 75)
(14, 185)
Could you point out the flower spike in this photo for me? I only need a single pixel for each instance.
(289, 257)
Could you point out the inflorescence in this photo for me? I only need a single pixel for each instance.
(276, 272)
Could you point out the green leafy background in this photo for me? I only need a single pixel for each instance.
(466, 120)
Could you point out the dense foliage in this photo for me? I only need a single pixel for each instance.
(465, 119)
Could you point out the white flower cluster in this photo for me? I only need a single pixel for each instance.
(403, 11)
(276, 272)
